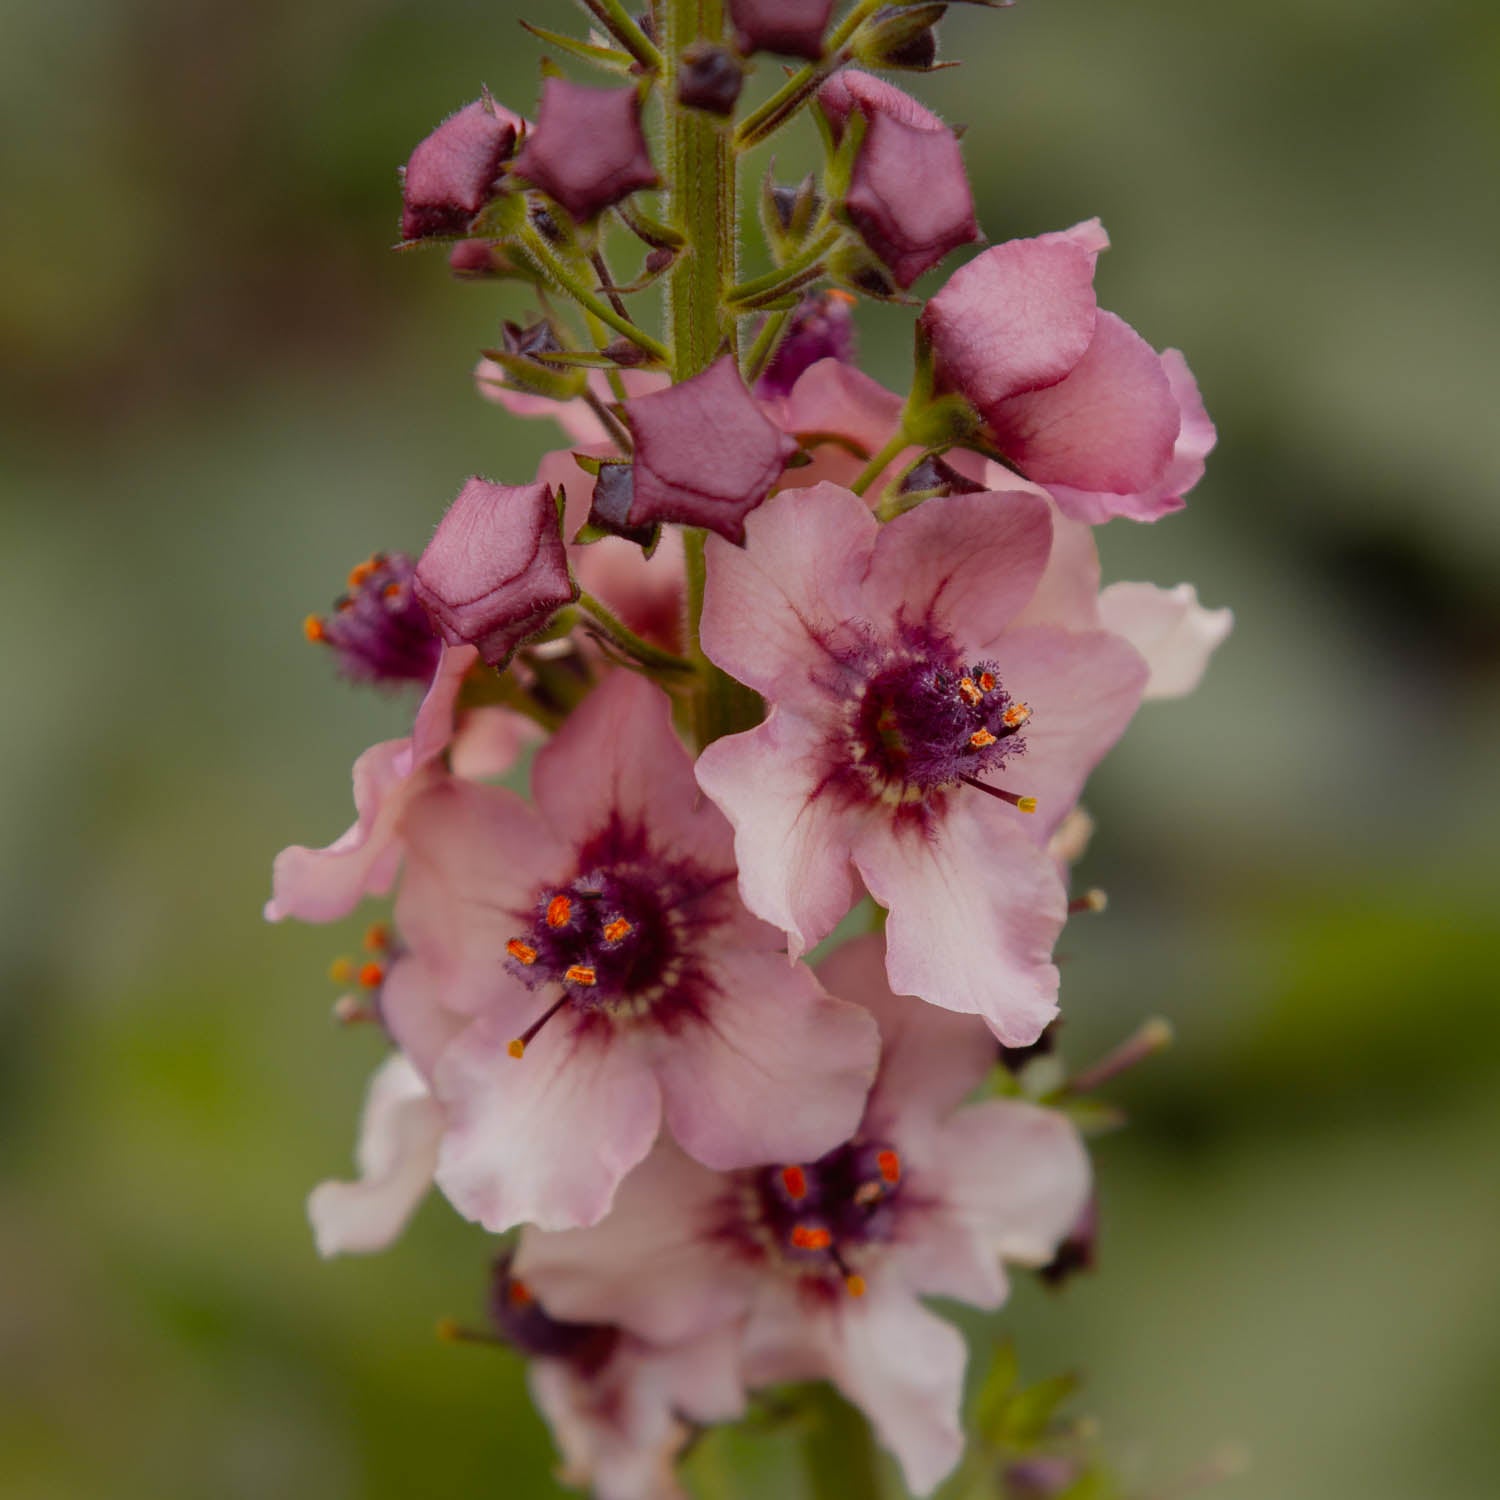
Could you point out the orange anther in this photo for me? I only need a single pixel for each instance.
(523, 953)
(890, 1166)
(834, 294)
(518, 1293)
(312, 628)
(794, 1180)
(580, 974)
(969, 692)
(1016, 715)
(617, 930)
(371, 976)
(377, 937)
(341, 971)
(343, 603)
(987, 681)
(391, 591)
(559, 909)
(811, 1237)
(854, 1284)
(980, 738)
(360, 573)
(516, 1047)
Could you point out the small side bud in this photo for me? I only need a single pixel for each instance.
(709, 78)
(793, 28)
(899, 36)
(456, 170)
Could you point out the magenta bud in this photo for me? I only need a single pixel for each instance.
(473, 260)
(850, 89)
(495, 571)
(587, 150)
(705, 453)
(456, 170)
(792, 27)
(821, 327)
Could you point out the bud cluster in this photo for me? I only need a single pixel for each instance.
(787, 644)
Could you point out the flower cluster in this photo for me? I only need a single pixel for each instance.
(791, 651)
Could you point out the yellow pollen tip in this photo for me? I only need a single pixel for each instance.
(360, 572)
(377, 937)
(980, 738)
(811, 1237)
(617, 930)
(523, 953)
(987, 681)
(312, 628)
(835, 295)
(969, 692)
(517, 1047)
(854, 1284)
(1027, 804)
(580, 974)
(1016, 715)
(371, 976)
(559, 909)
(794, 1180)
(341, 971)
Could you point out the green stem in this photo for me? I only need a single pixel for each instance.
(791, 96)
(627, 640)
(763, 350)
(622, 26)
(876, 466)
(788, 278)
(541, 252)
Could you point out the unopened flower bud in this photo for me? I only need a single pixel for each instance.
(587, 151)
(614, 492)
(475, 260)
(899, 36)
(821, 327)
(792, 27)
(456, 170)
(709, 78)
(788, 213)
(495, 571)
(705, 453)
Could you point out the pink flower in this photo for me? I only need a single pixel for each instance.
(583, 967)
(825, 1261)
(495, 572)
(618, 1406)
(587, 150)
(397, 1154)
(792, 27)
(378, 630)
(1073, 396)
(903, 679)
(705, 452)
(821, 327)
(456, 170)
(322, 885)
(908, 194)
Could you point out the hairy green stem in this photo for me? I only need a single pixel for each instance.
(876, 466)
(634, 646)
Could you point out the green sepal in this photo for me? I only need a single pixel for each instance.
(530, 375)
(602, 57)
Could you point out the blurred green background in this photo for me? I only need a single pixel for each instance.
(221, 389)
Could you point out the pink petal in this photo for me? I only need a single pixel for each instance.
(835, 397)
(974, 910)
(967, 563)
(850, 88)
(618, 756)
(930, 1059)
(771, 607)
(654, 1265)
(490, 743)
(1083, 689)
(792, 842)
(1170, 629)
(398, 1146)
(413, 1013)
(1111, 424)
(1068, 593)
(432, 731)
(322, 885)
(548, 1137)
(1016, 318)
(775, 1070)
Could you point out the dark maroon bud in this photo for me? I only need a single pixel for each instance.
(539, 338)
(705, 453)
(526, 1325)
(1043, 1477)
(709, 78)
(1078, 1252)
(933, 477)
(614, 491)
(658, 261)
(587, 151)
(900, 36)
(625, 354)
(456, 170)
(909, 196)
(792, 27)
(821, 327)
(495, 571)
(789, 211)
(855, 266)
(647, 22)
(379, 631)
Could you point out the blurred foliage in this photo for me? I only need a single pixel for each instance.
(221, 389)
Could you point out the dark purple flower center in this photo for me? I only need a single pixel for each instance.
(526, 1325)
(378, 629)
(820, 1219)
(621, 937)
(927, 720)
